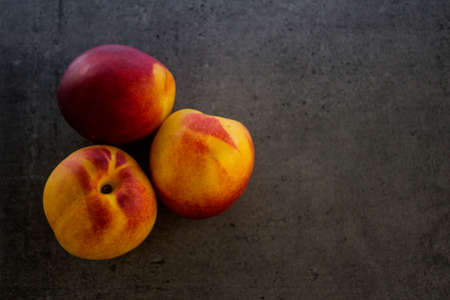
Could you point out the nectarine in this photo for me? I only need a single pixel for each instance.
(116, 94)
(200, 164)
(99, 203)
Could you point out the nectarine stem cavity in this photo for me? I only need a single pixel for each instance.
(106, 189)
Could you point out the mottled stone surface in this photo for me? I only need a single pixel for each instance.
(349, 106)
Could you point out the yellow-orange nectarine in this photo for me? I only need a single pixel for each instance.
(99, 203)
(200, 164)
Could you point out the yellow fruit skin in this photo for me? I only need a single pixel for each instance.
(200, 164)
(93, 224)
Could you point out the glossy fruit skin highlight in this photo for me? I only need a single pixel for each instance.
(99, 203)
(200, 164)
(116, 94)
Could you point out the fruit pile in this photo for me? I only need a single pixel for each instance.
(98, 201)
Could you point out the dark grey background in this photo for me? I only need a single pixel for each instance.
(348, 103)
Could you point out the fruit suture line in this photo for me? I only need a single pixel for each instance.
(98, 201)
